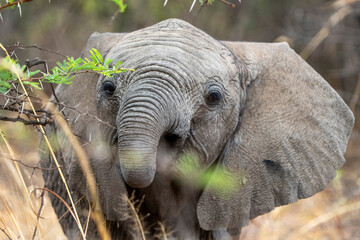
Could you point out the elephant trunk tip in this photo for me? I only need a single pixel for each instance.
(138, 168)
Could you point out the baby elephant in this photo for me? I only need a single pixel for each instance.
(203, 135)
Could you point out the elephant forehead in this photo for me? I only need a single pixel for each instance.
(174, 40)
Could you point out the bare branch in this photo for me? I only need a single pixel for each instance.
(21, 47)
(56, 102)
(229, 4)
(39, 213)
(36, 61)
(7, 235)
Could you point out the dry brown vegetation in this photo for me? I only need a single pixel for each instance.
(331, 214)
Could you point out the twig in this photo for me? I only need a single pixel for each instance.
(7, 235)
(138, 221)
(26, 122)
(88, 218)
(36, 61)
(60, 198)
(112, 19)
(21, 47)
(325, 31)
(55, 96)
(39, 213)
(206, 2)
(163, 231)
(29, 166)
(14, 3)
(25, 111)
(61, 105)
(11, 234)
(229, 4)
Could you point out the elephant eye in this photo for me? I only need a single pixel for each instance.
(109, 87)
(213, 95)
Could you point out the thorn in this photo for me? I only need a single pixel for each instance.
(6, 103)
(165, 2)
(90, 137)
(77, 118)
(192, 5)
(19, 6)
(39, 149)
(2, 20)
(41, 85)
(22, 108)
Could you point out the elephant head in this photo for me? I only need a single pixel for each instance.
(256, 112)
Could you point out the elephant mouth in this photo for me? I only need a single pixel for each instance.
(169, 147)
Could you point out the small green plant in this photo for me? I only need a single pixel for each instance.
(8, 70)
(63, 73)
(120, 3)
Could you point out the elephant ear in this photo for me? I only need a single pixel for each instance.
(79, 107)
(291, 140)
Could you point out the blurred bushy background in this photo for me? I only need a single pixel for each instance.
(326, 33)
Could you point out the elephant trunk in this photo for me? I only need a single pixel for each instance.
(142, 120)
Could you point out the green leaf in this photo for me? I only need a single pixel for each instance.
(120, 4)
(34, 72)
(98, 55)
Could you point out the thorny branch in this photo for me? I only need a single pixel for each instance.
(41, 121)
(14, 3)
(46, 114)
(31, 166)
(44, 118)
(18, 46)
(36, 61)
(26, 111)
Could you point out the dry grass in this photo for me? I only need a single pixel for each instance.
(331, 214)
(327, 215)
(18, 217)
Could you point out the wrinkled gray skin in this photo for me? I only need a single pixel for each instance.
(255, 111)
